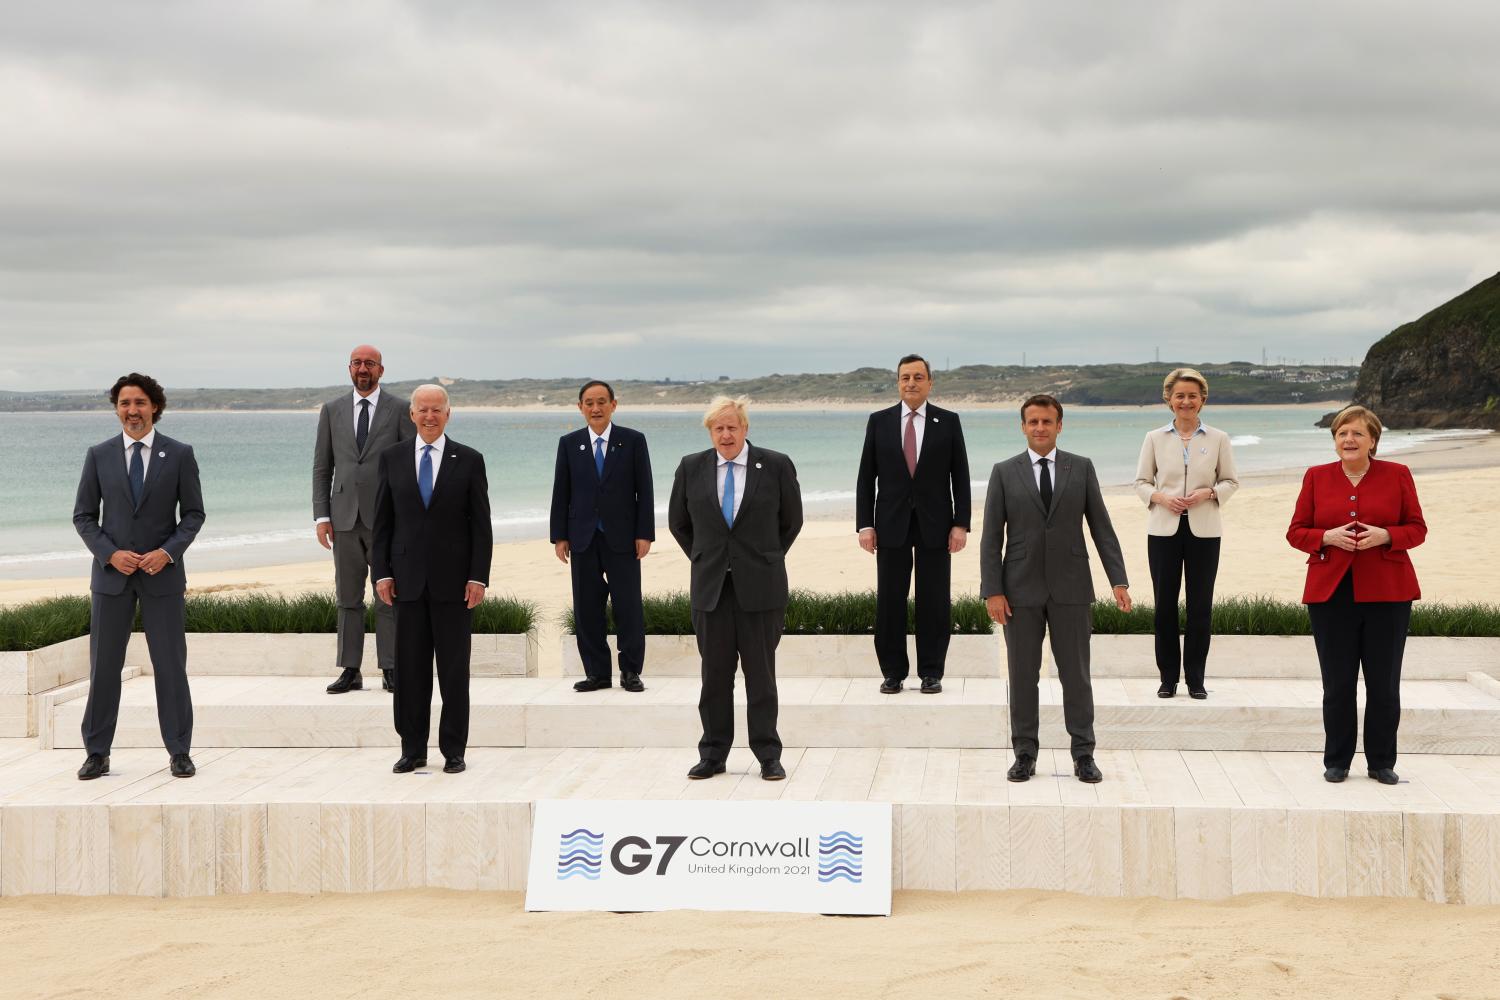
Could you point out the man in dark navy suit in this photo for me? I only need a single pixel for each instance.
(139, 507)
(431, 555)
(603, 526)
(912, 508)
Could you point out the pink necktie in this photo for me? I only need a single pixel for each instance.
(909, 442)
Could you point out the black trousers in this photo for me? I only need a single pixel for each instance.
(601, 574)
(727, 635)
(1350, 635)
(428, 630)
(110, 621)
(1171, 557)
(934, 599)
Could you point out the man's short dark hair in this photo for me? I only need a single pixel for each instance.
(598, 381)
(1042, 399)
(912, 359)
(146, 384)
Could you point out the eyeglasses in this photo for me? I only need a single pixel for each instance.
(364, 364)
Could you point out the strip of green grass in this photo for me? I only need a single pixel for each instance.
(42, 623)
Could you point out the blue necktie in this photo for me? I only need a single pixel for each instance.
(424, 476)
(599, 457)
(727, 505)
(137, 473)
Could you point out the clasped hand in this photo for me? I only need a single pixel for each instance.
(1179, 505)
(151, 563)
(1356, 537)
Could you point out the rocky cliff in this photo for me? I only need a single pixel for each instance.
(1442, 370)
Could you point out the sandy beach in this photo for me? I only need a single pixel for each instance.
(1014, 944)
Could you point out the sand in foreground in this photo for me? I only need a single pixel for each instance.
(436, 943)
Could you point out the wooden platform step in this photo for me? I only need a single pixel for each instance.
(1240, 714)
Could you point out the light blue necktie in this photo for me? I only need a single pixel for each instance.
(727, 505)
(137, 472)
(424, 476)
(599, 457)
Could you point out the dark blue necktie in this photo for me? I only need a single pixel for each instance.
(137, 473)
(727, 504)
(599, 456)
(424, 476)
(362, 429)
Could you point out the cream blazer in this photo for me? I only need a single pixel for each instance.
(1210, 464)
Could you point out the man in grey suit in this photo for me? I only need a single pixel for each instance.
(735, 510)
(352, 432)
(139, 507)
(1034, 576)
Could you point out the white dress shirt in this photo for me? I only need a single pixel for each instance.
(374, 399)
(920, 423)
(437, 456)
(594, 439)
(740, 465)
(1036, 467)
(149, 441)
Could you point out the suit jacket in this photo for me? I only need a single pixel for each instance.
(170, 514)
(439, 548)
(1385, 498)
(886, 493)
(621, 498)
(1032, 555)
(755, 548)
(1210, 464)
(345, 477)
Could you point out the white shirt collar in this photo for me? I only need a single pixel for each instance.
(437, 446)
(1051, 456)
(605, 436)
(920, 411)
(739, 459)
(1171, 427)
(373, 397)
(149, 440)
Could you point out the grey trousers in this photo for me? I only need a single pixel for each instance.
(351, 575)
(1069, 626)
(109, 633)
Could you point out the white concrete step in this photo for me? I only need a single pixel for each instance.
(1240, 714)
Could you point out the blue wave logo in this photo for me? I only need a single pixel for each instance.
(580, 853)
(841, 856)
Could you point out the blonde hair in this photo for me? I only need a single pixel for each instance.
(1179, 374)
(432, 387)
(1354, 412)
(722, 403)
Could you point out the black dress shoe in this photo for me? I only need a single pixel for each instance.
(1166, 690)
(454, 765)
(1197, 694)
(182, 766)
(1336, 774)
(1385, 775)
(889, 686)
(95, 765)
(771, 770)
(1087, 771)
(349, 680)
(590, 684)
(931, 685)
(387, 680)
(632, 682)
(1022, 769)
(705, 768)
(408, 764)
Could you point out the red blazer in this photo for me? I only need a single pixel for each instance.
(1385, 498)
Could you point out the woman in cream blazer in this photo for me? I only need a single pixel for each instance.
(1186, 471)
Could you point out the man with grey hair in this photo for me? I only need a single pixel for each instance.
(735, 510)
(431, 554)
(352, 432)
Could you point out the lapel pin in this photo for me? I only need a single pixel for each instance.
(161, 454)
(582, 448)
(934, 419)
(757, 465)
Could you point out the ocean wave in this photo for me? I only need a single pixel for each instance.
(1245, 440)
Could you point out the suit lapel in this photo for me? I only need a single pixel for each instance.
(445, 471)
(160, 452)
(377, 419)
(1029, 483)
(930, 433)
(707, 481)
(610, 450)
(1064, 467)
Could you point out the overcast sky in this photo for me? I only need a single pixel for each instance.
(232, 193)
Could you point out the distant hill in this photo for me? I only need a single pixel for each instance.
(1442, 370)
(1236, 382)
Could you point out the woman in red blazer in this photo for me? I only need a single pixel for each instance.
(1358, 517)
